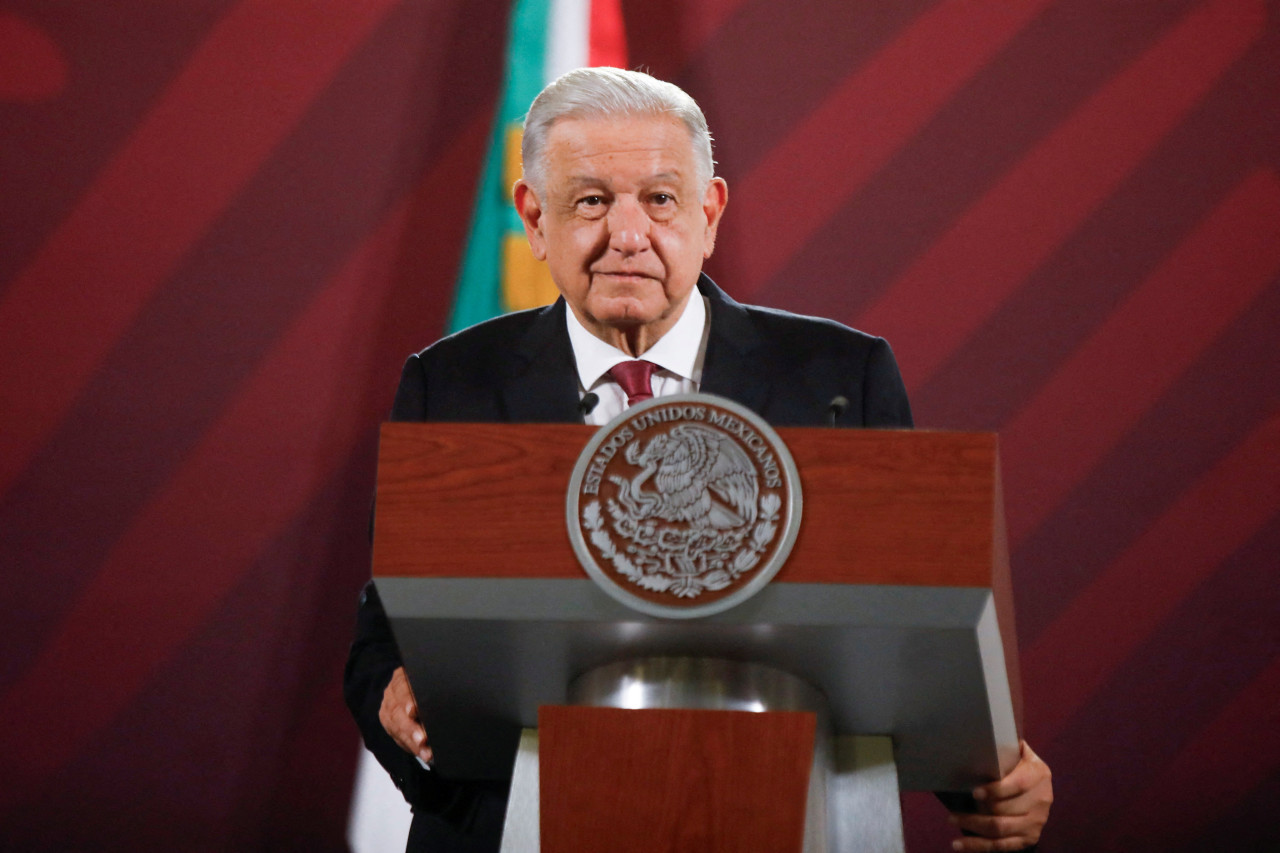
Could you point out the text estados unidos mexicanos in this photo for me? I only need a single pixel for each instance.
(725, 421)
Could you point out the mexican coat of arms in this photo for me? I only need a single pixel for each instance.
(684, 506)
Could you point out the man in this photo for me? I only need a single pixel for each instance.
(619, 197)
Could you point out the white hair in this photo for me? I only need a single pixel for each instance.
(610, 93)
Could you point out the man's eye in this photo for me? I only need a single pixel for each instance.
(591, 200)
(663, 198)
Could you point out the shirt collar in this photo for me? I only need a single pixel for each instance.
(676, 352)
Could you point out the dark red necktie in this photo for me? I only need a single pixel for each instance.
(634, 378)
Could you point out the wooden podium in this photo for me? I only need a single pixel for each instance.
(894, 607)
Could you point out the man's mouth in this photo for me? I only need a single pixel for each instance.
(633, 274)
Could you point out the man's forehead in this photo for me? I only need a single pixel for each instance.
(627, 150)
(652, 136)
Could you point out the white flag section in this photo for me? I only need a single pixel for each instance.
(568, 38)
(380, 818)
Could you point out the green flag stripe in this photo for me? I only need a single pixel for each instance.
(479, 293)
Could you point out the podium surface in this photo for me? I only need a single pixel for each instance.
(894, 602)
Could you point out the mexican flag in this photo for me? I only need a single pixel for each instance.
(547, 38)
(499, 273)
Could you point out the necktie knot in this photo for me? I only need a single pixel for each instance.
(634, 378)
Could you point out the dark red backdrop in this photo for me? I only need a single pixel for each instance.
(225, 223)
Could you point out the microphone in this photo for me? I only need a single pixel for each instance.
(589, 401)
(836, 408)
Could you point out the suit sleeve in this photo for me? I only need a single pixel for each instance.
(374, 656)
(411, 394)
(884, 396)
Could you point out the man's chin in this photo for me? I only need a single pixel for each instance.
(625, 312)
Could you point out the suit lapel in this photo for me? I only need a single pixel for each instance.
(734, 363)
(542, 384)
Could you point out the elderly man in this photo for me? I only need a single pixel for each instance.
(619, 197)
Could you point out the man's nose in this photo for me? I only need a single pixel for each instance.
(628, 226)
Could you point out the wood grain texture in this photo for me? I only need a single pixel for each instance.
(880, 506)
(673, 780)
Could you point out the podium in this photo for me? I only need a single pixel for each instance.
(891, 619)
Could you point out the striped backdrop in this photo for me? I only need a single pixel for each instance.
(224, 223)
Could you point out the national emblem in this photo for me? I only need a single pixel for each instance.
(684, 506)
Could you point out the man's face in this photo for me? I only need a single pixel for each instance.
(622, 223)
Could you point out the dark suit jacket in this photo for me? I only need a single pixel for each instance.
(520, 368)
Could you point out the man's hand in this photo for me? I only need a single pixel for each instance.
(1011, 811)
(399, 716)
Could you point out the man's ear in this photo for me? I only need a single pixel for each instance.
(713, 204)
(530, 211)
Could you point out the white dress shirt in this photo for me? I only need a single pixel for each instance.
(679, 355)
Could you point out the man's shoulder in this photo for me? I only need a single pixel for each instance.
(469, 375)
(490, 337)
(785, 327)
(808, 359)
(788, 323)
(788, 336)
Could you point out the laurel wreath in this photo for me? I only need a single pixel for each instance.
(593, 520)
(686, 585)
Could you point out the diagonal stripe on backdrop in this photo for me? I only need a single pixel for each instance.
(260, 68)
(291, 426)
(1115, 376)
(700, 21)
(1120, 608)
(1183, 803)
(942, 298)
(877, 110)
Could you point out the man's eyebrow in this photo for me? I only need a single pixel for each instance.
(577, 181)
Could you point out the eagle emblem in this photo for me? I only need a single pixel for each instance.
(699, 476)
(682, 502)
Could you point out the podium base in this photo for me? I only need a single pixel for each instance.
(852, 803)
(862, 799)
